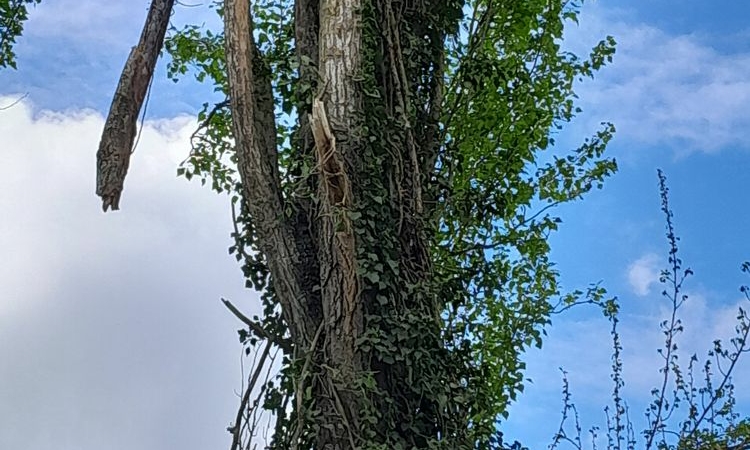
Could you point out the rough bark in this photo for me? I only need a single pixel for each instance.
(337, 115)
(336, 121)
(306, 27)
(259, 172)
(116, 145)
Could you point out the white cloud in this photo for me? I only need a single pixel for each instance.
(111, 330)
(671, 90)
(643, 273)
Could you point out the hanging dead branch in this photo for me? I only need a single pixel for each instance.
(116, 145)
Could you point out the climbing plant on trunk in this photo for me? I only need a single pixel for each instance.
(392, 167)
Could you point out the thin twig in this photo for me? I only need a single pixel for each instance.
(257, 328)
(246, 397)
(300, 385)
(15, 102)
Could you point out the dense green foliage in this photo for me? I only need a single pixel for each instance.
(13, 13)
(508, 86)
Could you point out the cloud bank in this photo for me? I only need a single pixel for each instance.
(111, 330)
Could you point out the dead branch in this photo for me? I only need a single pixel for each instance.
(116, 145)
(257, 329)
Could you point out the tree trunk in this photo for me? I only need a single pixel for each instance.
(333, 117)
(336, 123)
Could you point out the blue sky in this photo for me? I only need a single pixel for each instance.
(122, 309)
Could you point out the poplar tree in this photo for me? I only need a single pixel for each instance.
(392, 167)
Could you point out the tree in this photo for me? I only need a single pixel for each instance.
(386, 160)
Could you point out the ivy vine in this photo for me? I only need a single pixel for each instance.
(462, 100)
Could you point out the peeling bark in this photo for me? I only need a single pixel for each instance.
(116, 145)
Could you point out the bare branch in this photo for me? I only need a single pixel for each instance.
(116, 145)
(15, 102)
(257, 329)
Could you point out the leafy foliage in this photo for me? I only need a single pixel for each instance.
(512, 86)
(13, 13)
